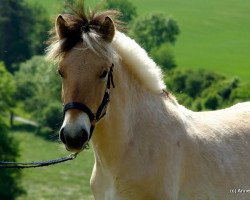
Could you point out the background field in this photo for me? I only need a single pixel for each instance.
(214, 34)
(59, 182)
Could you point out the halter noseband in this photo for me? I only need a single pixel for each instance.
(101, 111)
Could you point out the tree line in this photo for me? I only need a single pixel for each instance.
(23, 30)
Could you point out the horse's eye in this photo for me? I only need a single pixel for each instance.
(104, 74)
(60, 73)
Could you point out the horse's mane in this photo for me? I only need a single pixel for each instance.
(139, 63)
(135, 57)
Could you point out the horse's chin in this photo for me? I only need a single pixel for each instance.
(75, 149)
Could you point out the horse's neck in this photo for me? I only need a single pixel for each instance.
(133, 117)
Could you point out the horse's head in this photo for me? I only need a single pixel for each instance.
(86, 68)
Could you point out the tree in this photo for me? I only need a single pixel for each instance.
(156, 33)
(127, 9)
(10, 187)
(69, 1)
(7, 89)
(204, 90)
(39, 34)
(164, 56)
(192, 82)
(240, 93)
(155, 30)
(39, 89)
(212, 101)
(23, 31)
(10, 179)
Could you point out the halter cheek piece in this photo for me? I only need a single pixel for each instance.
(101, 111)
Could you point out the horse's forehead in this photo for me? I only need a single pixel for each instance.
(80, 56)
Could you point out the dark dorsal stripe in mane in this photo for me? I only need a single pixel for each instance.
(79, 22)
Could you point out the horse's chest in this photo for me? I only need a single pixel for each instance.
(111, 188)
(110, 193)
(106, 187)
(103, 186)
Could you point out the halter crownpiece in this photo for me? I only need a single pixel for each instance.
(101, 111)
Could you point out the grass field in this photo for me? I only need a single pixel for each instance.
(214, 34)
(63, 181)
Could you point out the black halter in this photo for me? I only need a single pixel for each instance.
(101, 111)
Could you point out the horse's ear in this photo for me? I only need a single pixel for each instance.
(62, 29)
(107, 29)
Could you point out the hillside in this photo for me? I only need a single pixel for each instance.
(65, 181)
(214, 34)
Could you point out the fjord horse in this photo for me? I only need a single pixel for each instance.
(146, 145)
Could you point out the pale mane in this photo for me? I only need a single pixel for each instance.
(139, 62)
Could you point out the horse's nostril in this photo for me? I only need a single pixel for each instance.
(62, 136)
(85, 136)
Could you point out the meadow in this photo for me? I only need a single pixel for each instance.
(214, 34)
(63, 181)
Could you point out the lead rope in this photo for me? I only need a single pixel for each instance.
(22, 165)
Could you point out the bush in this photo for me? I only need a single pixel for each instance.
(203, 90)
(52, 116)
(164, 56)
(10, 187)
(191, 82)
(154, 30)
(212, 102)
(42, 96)
(23, 30)
(241, 93)
(9, 179)
(7, 89)
(127, 9)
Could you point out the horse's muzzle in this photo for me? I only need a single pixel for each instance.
(74, 141)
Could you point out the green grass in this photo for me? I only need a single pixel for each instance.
(63, 181)
(214, 34)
